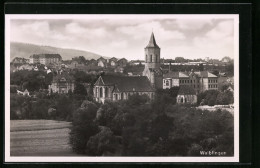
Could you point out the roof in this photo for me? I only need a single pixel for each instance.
(173, 74)
(126, 83)
(122, 59)
(113, 59)
(205, 74)
(45, 56)
(58, 77)
(186, 90)
(152, 42)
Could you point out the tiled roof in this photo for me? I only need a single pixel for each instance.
(58, 77)
(127, 83)
(205, 74)
(173, 74)
(186, 90)
(152, 42)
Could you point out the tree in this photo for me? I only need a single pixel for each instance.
(136, 99)
(104, 143)
(80, 89)
(83, 126)
(179, 59)
(160, 127)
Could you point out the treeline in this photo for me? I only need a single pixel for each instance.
(47, 106)
(215, 97)
(33, 81)
(135, 127)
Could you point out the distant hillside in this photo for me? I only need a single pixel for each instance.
(25, 50)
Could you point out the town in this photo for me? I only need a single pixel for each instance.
(131, 103)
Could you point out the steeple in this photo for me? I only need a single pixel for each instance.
(152, 42)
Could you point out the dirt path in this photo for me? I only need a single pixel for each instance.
(40, 138)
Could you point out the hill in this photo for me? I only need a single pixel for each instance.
(24, 50)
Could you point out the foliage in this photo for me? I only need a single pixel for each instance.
(83, 127)
(80, 89)
(214, 97)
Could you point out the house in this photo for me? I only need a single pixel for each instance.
(92, 62)
(113, 61)
(45, 58)
(62, 83)
(231, 88)
(76, 65)
(113, 88)
(26, 67)
(18, 60)
(102, 62)
(172, 79)
(119, 70)
(122, 62)
(24, 93)
(186, 95)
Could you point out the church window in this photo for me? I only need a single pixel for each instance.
(122, 96)
(101, 92)
(151, 58)
(106, 92)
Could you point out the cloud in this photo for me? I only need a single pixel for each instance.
(222, 30)
(127, 37)
(143, 31)
(192, 23)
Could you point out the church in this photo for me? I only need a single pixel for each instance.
(113, 88)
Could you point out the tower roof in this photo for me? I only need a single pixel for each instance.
(152, 42)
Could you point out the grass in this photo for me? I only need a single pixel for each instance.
(40, 138)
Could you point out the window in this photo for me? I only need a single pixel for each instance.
(146, 58)
(151, 58)
(106, 92)
(122, 96)
(101, 92)
(167, 83)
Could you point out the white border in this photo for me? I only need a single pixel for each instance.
(9, 158)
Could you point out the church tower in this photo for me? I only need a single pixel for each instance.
(152, 63)
(152, 54)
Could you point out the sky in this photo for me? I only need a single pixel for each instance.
(127, 36)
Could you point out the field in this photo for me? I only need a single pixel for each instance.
(40, 138)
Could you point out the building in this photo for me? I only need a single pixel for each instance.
(18, 60)
(113, 88)
(102, 62)
(122, 62)
(152, 63)
(24, 93)
(113, 62)
(62, 83)
(45, 58)
(186, 95)
(199, 81)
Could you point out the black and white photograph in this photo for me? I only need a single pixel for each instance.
(122, 88)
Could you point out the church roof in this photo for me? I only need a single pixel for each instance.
(152, 42)
(186, 90)
(126, 83)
